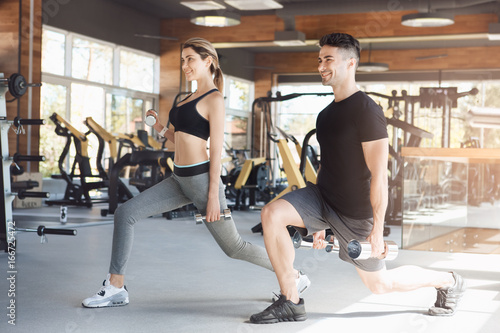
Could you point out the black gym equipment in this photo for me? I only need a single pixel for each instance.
(77, 194)
(9, 167)
(117, 190)
(17, 85)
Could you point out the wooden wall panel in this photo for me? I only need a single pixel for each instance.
(9, 52)
(386, 24)
(9, 64)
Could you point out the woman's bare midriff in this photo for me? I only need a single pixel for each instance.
(189, 149)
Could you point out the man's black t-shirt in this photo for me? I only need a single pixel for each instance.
(344, 178)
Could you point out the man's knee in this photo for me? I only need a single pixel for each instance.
(271, 216)
(379, 286)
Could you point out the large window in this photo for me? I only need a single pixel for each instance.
(92, 61)
(53, 100)
(83, 77)
(136, 71)
(53, 56)
(239, 99)
(124, 114)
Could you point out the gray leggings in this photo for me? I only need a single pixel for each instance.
(171, 193)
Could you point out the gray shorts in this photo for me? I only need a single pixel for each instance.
(317, 215)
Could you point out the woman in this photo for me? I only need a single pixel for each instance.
(196, 178)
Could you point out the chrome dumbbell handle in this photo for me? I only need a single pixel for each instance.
(361, 250)
(333, 244)
(226, 214)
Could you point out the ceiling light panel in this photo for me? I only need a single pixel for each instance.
(424, 20)
(254, 4)
(372, 67)
(215, 18)
(202, 5)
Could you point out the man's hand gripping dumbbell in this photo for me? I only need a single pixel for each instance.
(357, 249)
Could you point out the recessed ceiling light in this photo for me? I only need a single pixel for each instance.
(372, 67)
(254, 4)
(203, 5)
(215, 18)
(423, 20)
(494, 31)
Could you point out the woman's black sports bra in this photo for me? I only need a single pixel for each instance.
(186, 118)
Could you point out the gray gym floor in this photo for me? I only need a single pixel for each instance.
(180, 281)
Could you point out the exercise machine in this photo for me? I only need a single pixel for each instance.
(17, 86)
(294, 178)
(117, 190)
(77, 194)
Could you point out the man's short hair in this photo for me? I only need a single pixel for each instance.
(345, 42)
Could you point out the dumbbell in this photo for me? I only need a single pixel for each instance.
(298, 242)
(356, 249)
(361, 250)
(226, 215)
(151, 120)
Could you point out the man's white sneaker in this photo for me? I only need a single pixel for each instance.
(107, 296)
(302, 283)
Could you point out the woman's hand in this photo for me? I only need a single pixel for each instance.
(213, 210)
(157, 126)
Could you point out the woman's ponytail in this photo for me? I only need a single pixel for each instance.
(219, 79)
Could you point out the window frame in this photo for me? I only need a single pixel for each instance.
(240, 113)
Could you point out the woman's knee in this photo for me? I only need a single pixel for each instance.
(124, 214)
(233, 248)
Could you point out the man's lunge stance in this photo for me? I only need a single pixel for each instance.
(350, 196)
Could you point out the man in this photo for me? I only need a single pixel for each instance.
(350, 196)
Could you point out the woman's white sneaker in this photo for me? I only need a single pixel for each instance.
(107, 296)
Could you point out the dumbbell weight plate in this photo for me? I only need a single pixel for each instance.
(150, 120)
(17, 85)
